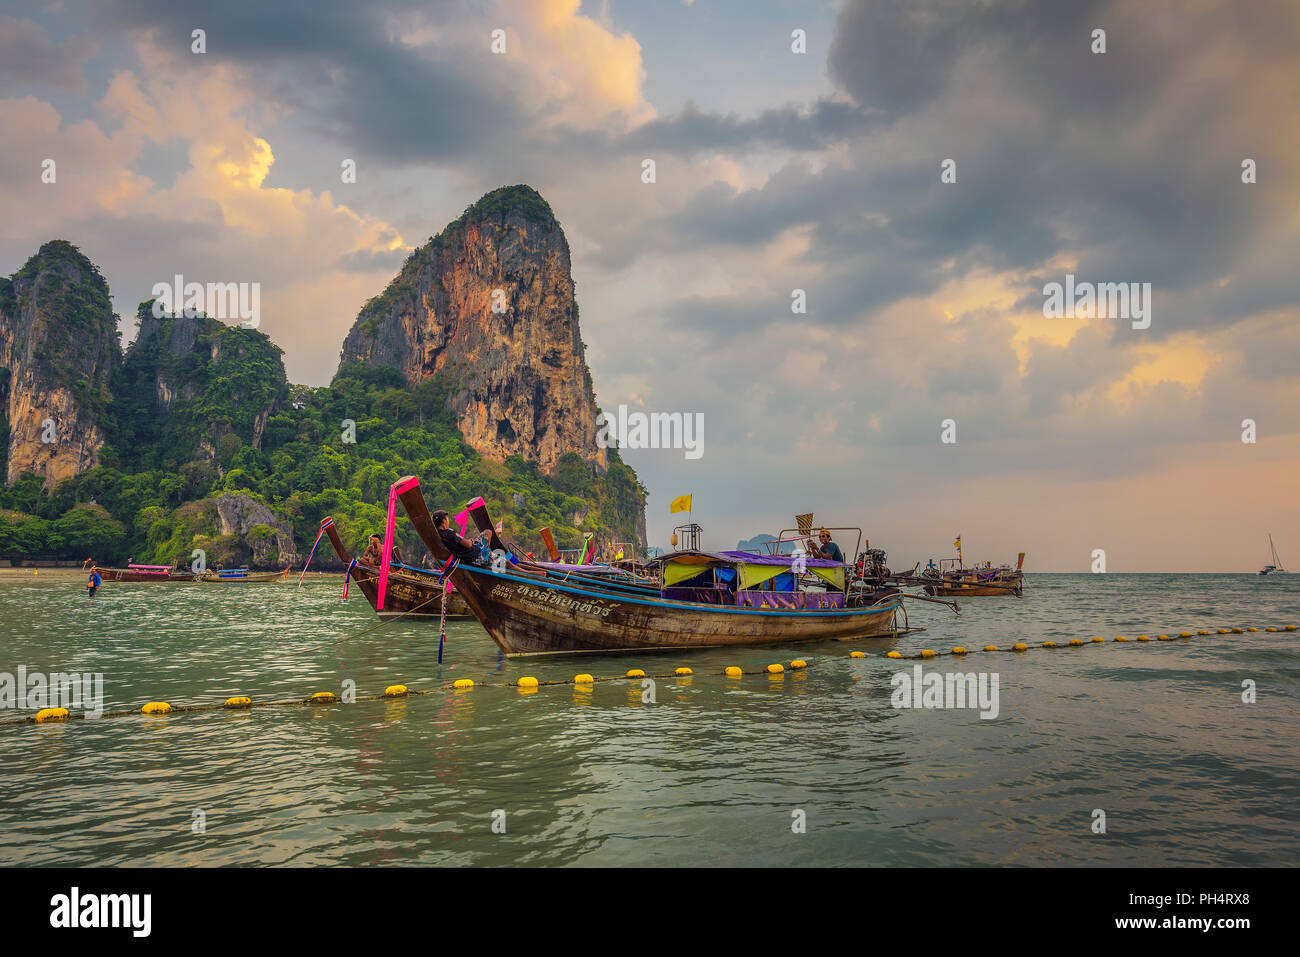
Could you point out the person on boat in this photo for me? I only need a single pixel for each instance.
(374, 553)
(827, 550)
(92, 585)
(464, 549)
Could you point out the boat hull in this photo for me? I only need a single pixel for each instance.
(968, 591)
(126, 575)
(534, 616)
(407, 596)
(213, 578)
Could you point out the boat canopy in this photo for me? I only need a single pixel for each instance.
(752, 569)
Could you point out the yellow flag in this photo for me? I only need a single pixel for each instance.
(682, 503)
(957, 544)
(619, 556)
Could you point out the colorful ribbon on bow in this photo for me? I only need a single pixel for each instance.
(328, 522)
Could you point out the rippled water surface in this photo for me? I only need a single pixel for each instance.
(1154, 734)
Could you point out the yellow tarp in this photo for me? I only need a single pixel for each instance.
(678, 571)
(751, 575)
(833, 575)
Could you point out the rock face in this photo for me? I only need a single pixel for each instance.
(188, 382)
(268, 538)
(488, 307)
(58, 345)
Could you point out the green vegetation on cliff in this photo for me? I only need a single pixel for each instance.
(153, 510)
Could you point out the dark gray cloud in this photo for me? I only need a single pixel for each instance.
(29, 57)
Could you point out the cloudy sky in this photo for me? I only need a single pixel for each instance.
(776, 170)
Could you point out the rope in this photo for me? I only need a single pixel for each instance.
(442, 618)
(633, 675)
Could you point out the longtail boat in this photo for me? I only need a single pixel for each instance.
(950, 578)
(224, 575)
(412, 592)
(706, 600)
(144, 573)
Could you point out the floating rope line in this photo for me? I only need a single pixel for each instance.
(1020, 646)
(528, 684)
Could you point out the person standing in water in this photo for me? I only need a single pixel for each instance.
(93, 583)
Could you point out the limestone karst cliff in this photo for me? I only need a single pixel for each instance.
(58, 345)
(189, 384)
(488, 307)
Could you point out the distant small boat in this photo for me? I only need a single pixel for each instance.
(1277, 562)
(242, 575)
(951, 579)
(144, 573)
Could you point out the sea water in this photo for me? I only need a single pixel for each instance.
(1176, 752)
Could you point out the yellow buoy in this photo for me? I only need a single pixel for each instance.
(636, 673)
(238, 701)
(1164, 638)
(1290, 627)
(775, 669)
(1202, 632)
(1223, 631)
(857, 654)
(462, 683)
(583, 679)
(1049, 644)
(396, 691)
(1252, 629)
(156, 707)
(798, 663)
(52, 714)
(324, 697)
(1120, 638)
(1098, 639)
(894, 654)
(1184, 634)
(927, 653)
(1020, 646)
(1270, 629)
(733, 672)
(1144, 637)
(1076, 641)
(958, 650)
(1237, 631)
(990, 647)
(683, 671)
(527, 682)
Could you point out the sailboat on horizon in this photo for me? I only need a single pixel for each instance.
(1277, 562)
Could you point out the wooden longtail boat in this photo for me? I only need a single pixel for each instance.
(231, 575)
(951, 579)
(527, 611)
(144, 573)
(412, 592)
